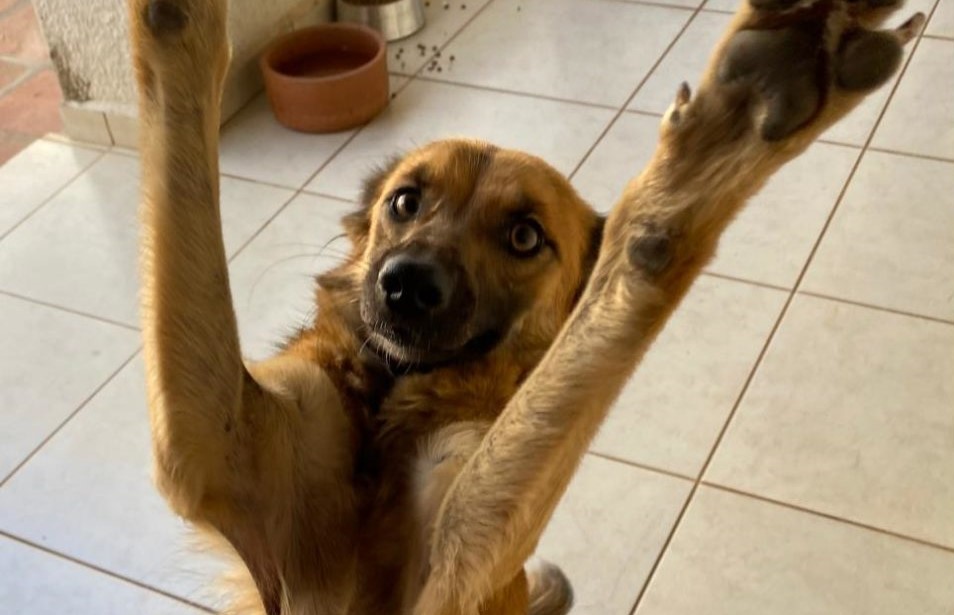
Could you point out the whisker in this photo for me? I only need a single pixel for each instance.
(281, 261)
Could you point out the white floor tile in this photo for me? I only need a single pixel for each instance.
(83, 246)
(89, 494)
(37, 583)
(855, 129)
(443, 20)
(255, 146)
(608, 531)
(34, 175)
(771, 239)
(891, 242)
(734, 555)
(942, 22)
(50, 362)
(596, 51)
(559, 132)
(850, 414)
(273, 279)
(686, 61)
(397, 83)
(672, 410)
(920, 118)
(620, 156)
(690, 4)
(689, 56)
(722, 5)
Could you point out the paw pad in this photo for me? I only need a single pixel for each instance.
(866, 60)
(164, 17)
(783, 67)
(651, 253)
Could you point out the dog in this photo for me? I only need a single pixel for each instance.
(403, 452)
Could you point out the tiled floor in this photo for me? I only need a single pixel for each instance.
(787, 448)
(29, 91)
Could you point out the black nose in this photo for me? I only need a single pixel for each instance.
(413, 286)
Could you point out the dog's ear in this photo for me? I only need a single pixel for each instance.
(357, 225)
(593, 251)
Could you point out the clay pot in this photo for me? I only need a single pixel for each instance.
(327, 78)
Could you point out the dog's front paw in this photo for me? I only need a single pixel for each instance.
(800, 65)
(183, 43)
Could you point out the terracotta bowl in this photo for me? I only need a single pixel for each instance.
(327, 78)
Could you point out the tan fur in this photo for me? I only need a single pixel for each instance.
(347, 490)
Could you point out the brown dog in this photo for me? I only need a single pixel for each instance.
(404, 453)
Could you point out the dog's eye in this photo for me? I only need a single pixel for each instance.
(405, 203)
(526, 238)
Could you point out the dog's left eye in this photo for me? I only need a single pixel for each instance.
(526, 238)
(405, 204)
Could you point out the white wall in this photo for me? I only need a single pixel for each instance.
(89, 44)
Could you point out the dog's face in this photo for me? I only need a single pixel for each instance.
(465, 245)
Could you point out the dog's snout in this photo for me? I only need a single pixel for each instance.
(414, 287)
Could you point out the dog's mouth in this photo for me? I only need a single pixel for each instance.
(404, 350)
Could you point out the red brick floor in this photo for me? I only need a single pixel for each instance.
(30, 94)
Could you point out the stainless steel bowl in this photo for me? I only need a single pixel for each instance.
(394, 20)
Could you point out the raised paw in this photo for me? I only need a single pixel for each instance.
(179, 42)
(164, 17)
(800, 65)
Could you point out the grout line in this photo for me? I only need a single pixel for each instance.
(297, 192)
(661, 5)
(665, 548)
(302, 188)
(641, 466)
(879, 308)
(410, 78)
(839, 143)
(68, 310)
(712, 450)
(633, 94)
(62, 139)
(771, 336)
(25, 76)
(254, 180)
(643, 112)
(885, 150)
(939, 37)
(830, 517)
(825, 141)
(104, 571)
(432, 55)
(55, 194)
(72, 414)
(473, 86)
(109, 130)
(22, 62)
(239, 111)
(262, 228)
(121, 150)
(329, 196)
(732, 278)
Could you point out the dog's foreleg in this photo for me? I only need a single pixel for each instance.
(780, 77)
(197, 380)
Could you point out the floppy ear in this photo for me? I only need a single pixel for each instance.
(592, 252)
(357, 225)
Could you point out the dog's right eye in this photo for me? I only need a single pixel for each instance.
(405, 204)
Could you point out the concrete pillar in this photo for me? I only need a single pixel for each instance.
(89, 45)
